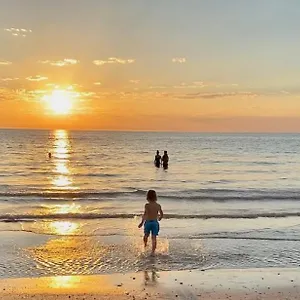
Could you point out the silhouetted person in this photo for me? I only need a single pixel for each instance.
(157, 159)
(49, 155)
(165, 160)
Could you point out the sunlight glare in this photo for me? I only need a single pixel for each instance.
(61, 168)
(66, 208)
(60, 102)
(62, 181)
(63, 227)
(59, 282)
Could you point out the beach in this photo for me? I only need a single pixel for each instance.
(213, 284)
(149, 150)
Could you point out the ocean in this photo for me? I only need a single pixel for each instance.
(230, 201)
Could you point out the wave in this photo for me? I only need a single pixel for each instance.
(188, 195)
(69, 194)
(198, 237)
(91, 216)
(229, 237)
(104, 175)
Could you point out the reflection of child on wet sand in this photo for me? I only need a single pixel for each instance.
(153, 213)
(153, 279)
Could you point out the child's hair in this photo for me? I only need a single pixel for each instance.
(151, 195)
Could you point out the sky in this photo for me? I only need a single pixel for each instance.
(179, 65)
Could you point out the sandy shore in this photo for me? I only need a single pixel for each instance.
(209, 284)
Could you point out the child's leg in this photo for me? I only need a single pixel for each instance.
(154, 234)
(153, 243)
(147, 230)
(146, 239)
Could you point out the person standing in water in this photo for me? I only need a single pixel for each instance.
(165, 160)
(157, 159)
(152, 214)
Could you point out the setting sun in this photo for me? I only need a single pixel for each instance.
(59, 102)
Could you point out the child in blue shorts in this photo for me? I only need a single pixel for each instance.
(152, 214)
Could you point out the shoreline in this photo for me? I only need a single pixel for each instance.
(270, 283)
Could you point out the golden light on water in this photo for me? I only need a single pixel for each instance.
(61, 153)
(62, 181)
(61, 134)
(63, 227)
(61, 168)
(67, 255)
(65, 208)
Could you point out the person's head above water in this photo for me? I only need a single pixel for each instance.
(165, 152)
(151, 196)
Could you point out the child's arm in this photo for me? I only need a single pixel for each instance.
(144, 217)
(161, 213)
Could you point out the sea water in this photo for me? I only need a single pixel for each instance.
(230, 201)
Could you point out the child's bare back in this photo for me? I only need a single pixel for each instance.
(152, 209)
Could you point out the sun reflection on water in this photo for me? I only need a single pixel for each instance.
(61, 154)
(67, 255)
(62, 181)
(65, 208)
(61, 168)
(63, 227)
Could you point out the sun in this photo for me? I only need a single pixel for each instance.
(59, 102)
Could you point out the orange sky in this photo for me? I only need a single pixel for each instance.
(140, 70)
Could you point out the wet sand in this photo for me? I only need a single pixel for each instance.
(209, 284)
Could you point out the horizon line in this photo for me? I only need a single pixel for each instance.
(150, 131)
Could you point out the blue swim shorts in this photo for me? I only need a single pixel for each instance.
(151, 226)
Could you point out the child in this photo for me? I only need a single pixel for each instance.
(153, 213)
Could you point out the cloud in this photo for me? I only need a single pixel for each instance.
(285, 92)
(19, 32)
(134, 81)
(5, 63)
(9, 94)
(179, 60)
(60, 63)
(9, 79)
(194, 85)
(97, 83)
(6, 94)
(216, 95)
(182, 85)
(113, 60)
(36, 78)
(227, 85)
(199, 83)
(154, 87)
(73, 86)
(87, 94)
